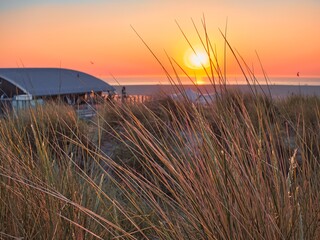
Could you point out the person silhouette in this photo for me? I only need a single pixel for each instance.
(123, 93)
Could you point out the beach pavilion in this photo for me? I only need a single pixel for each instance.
(26, 86)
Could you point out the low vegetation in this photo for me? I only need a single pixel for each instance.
(243, 167)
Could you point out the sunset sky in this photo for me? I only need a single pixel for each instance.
(95, 36)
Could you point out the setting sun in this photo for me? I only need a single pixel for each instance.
(200, 81)
(196, 58)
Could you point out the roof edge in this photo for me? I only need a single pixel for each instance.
(15, 84)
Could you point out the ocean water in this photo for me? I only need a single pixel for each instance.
(236, 79)
(278, 87)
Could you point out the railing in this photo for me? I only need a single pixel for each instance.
(133, 98)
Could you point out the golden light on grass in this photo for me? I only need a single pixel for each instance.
(196, 58)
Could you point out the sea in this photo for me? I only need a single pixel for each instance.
(276, 87)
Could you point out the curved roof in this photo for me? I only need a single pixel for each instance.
(53, 81)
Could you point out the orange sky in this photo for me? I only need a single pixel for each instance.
(96, 37)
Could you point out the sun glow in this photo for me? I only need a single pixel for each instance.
(200, 81)
(196, 58)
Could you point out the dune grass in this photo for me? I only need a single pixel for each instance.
(239, 168)
(243, 167)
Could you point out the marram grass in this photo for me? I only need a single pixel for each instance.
(241, 168)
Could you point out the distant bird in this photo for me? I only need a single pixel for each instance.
(91, 62)
(298, 74)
